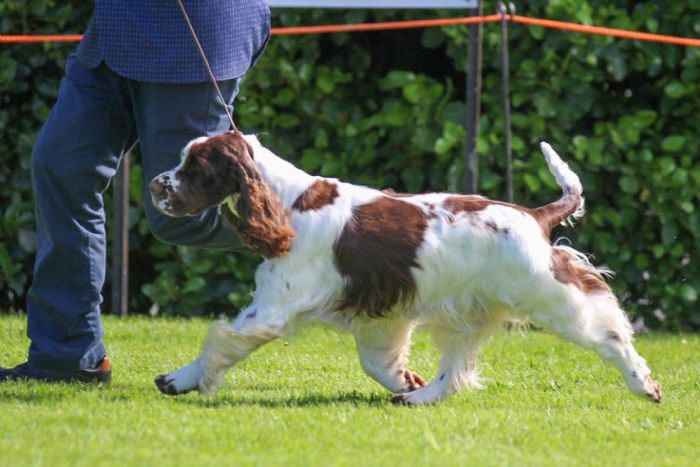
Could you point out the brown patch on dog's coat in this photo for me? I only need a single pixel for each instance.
(320, 194)
(555, 213)
(468, 203)
(375, 253)
(547, 217)
(568, 269)
(391, 192)
(491, 226)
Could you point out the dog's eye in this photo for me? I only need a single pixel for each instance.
(197, 165)
(193, 169)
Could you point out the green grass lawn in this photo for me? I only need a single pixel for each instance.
(308, 403)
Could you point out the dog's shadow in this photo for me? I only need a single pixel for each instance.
(247, 395)
(352, 398)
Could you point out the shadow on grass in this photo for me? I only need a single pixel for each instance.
(36, 393)
(352, 398)
(41, 393)
(45, 394)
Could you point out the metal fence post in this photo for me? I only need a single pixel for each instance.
(505, 70)
(120, 251)
(473, 91)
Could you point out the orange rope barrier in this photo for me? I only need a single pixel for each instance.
(546, 23)
(426, 23)
(46, 38)
(623, 33)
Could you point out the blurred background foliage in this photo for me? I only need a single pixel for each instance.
(387, 109)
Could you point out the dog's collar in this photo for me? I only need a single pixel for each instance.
(231, 201)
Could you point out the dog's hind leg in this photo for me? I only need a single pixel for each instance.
(458, 367)
(383, 346)
(226, 345)
(596, 321)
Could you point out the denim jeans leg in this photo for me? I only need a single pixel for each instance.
(76, 155)
(167, 117)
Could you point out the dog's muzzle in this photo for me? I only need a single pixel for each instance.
(162, 194)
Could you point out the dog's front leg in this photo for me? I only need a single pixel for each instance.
(226, 345)
(383, 347)
(458, 368)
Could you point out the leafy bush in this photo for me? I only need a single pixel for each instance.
(386, 109)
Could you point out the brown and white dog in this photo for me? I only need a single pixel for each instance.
(379, 264)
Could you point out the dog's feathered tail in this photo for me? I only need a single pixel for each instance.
(571, 204)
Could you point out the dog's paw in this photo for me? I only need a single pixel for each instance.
(653, 388)
(645, 386)
(413, 381)
(418, 397)
(181, 381)
(164, 383)
(421, 396)
(400, 399)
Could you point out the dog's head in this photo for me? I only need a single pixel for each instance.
(211, 170)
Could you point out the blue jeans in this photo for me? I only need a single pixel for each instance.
(97, 117)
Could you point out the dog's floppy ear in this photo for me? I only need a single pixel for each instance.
(260, 218)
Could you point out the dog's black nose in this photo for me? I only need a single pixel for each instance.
(155, 186)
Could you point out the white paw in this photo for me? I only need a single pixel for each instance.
(642, 384)
(182, 381)
(654, 391)
(418, 397)
(650, 388)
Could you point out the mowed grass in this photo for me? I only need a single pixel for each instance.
(307, 402)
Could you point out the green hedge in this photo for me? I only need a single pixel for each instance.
(386, 109)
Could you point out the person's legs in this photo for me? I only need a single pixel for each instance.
(76, 154)
(167, 117)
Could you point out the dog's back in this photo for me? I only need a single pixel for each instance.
(446, 251)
